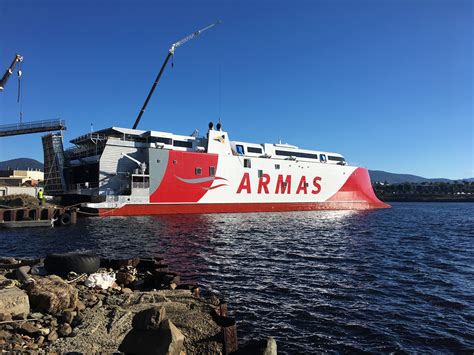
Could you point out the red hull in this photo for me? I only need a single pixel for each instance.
(157, 209)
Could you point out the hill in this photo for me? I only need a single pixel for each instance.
(393, 178)
(21, 164)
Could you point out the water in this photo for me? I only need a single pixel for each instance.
(397, 280)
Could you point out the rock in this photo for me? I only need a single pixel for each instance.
(168, 340)
(271, 348)
(7, 283)
(5, 317)
(263, 347)
(126, 290)
(14, 301)
(68, 316)
(149, 319)
(28, 329)
(4, 334)
(124, 278)
(51, 294)
(53, 336)
(64, 330)
(36, 315)
(44, 331)
(8, 261)
(19, 316)
(40, 340)
(80, 306)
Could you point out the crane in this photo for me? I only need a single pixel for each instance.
(18, 59)
(173, 47)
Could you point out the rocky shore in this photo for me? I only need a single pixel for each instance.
(80, 303)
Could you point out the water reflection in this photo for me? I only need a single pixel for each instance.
(344, 281)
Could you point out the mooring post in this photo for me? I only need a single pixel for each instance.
(73, 216)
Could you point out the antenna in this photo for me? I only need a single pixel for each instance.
(173, 47)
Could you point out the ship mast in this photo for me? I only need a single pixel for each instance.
(173, 47)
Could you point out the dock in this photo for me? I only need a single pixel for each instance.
(37, 217)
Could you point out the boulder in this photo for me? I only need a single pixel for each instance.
(52, 294)
(14, 301)
(166, 340)
(149, 319)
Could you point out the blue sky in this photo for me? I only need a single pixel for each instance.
(386, 83)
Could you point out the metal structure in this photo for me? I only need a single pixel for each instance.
(173, 47)
(54, 182)
(32, 127)
(18, 58)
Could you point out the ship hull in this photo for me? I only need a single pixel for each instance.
(205, 208)
(354, 193)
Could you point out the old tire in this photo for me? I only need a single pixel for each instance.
(62, 264)
(65, 219)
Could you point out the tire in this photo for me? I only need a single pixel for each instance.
(65, 219)
(62, 264)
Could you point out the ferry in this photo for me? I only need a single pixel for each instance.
(123, 172)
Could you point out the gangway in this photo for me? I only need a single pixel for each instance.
(32, 127)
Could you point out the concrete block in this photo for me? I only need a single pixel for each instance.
(14, 301)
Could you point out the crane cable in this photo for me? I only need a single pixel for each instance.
(19, 98)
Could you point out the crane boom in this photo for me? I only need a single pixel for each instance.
(192, 35)
(170, 54)
(18, 58)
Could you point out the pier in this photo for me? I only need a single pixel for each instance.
(37, 217)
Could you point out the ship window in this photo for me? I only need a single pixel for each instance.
(277, 166)
(160, 140)
(247, 163)
(323, 158)
(296, 154)
(198, 171)
(240, 149)
(260, 173)
(212, 171)
(254, 150)
(184, 144)
(330, 157)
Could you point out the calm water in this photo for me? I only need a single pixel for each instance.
(387, 280)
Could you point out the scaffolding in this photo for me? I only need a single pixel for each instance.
(54, 182)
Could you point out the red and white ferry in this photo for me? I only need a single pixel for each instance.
(126, 171)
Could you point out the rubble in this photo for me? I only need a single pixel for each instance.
(146, 310)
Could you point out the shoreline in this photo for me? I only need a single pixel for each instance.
(125, 305)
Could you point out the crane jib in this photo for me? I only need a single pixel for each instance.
(170, 53)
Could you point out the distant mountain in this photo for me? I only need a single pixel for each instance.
(392, 178)
(21, 164)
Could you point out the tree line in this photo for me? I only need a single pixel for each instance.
(425, 191)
